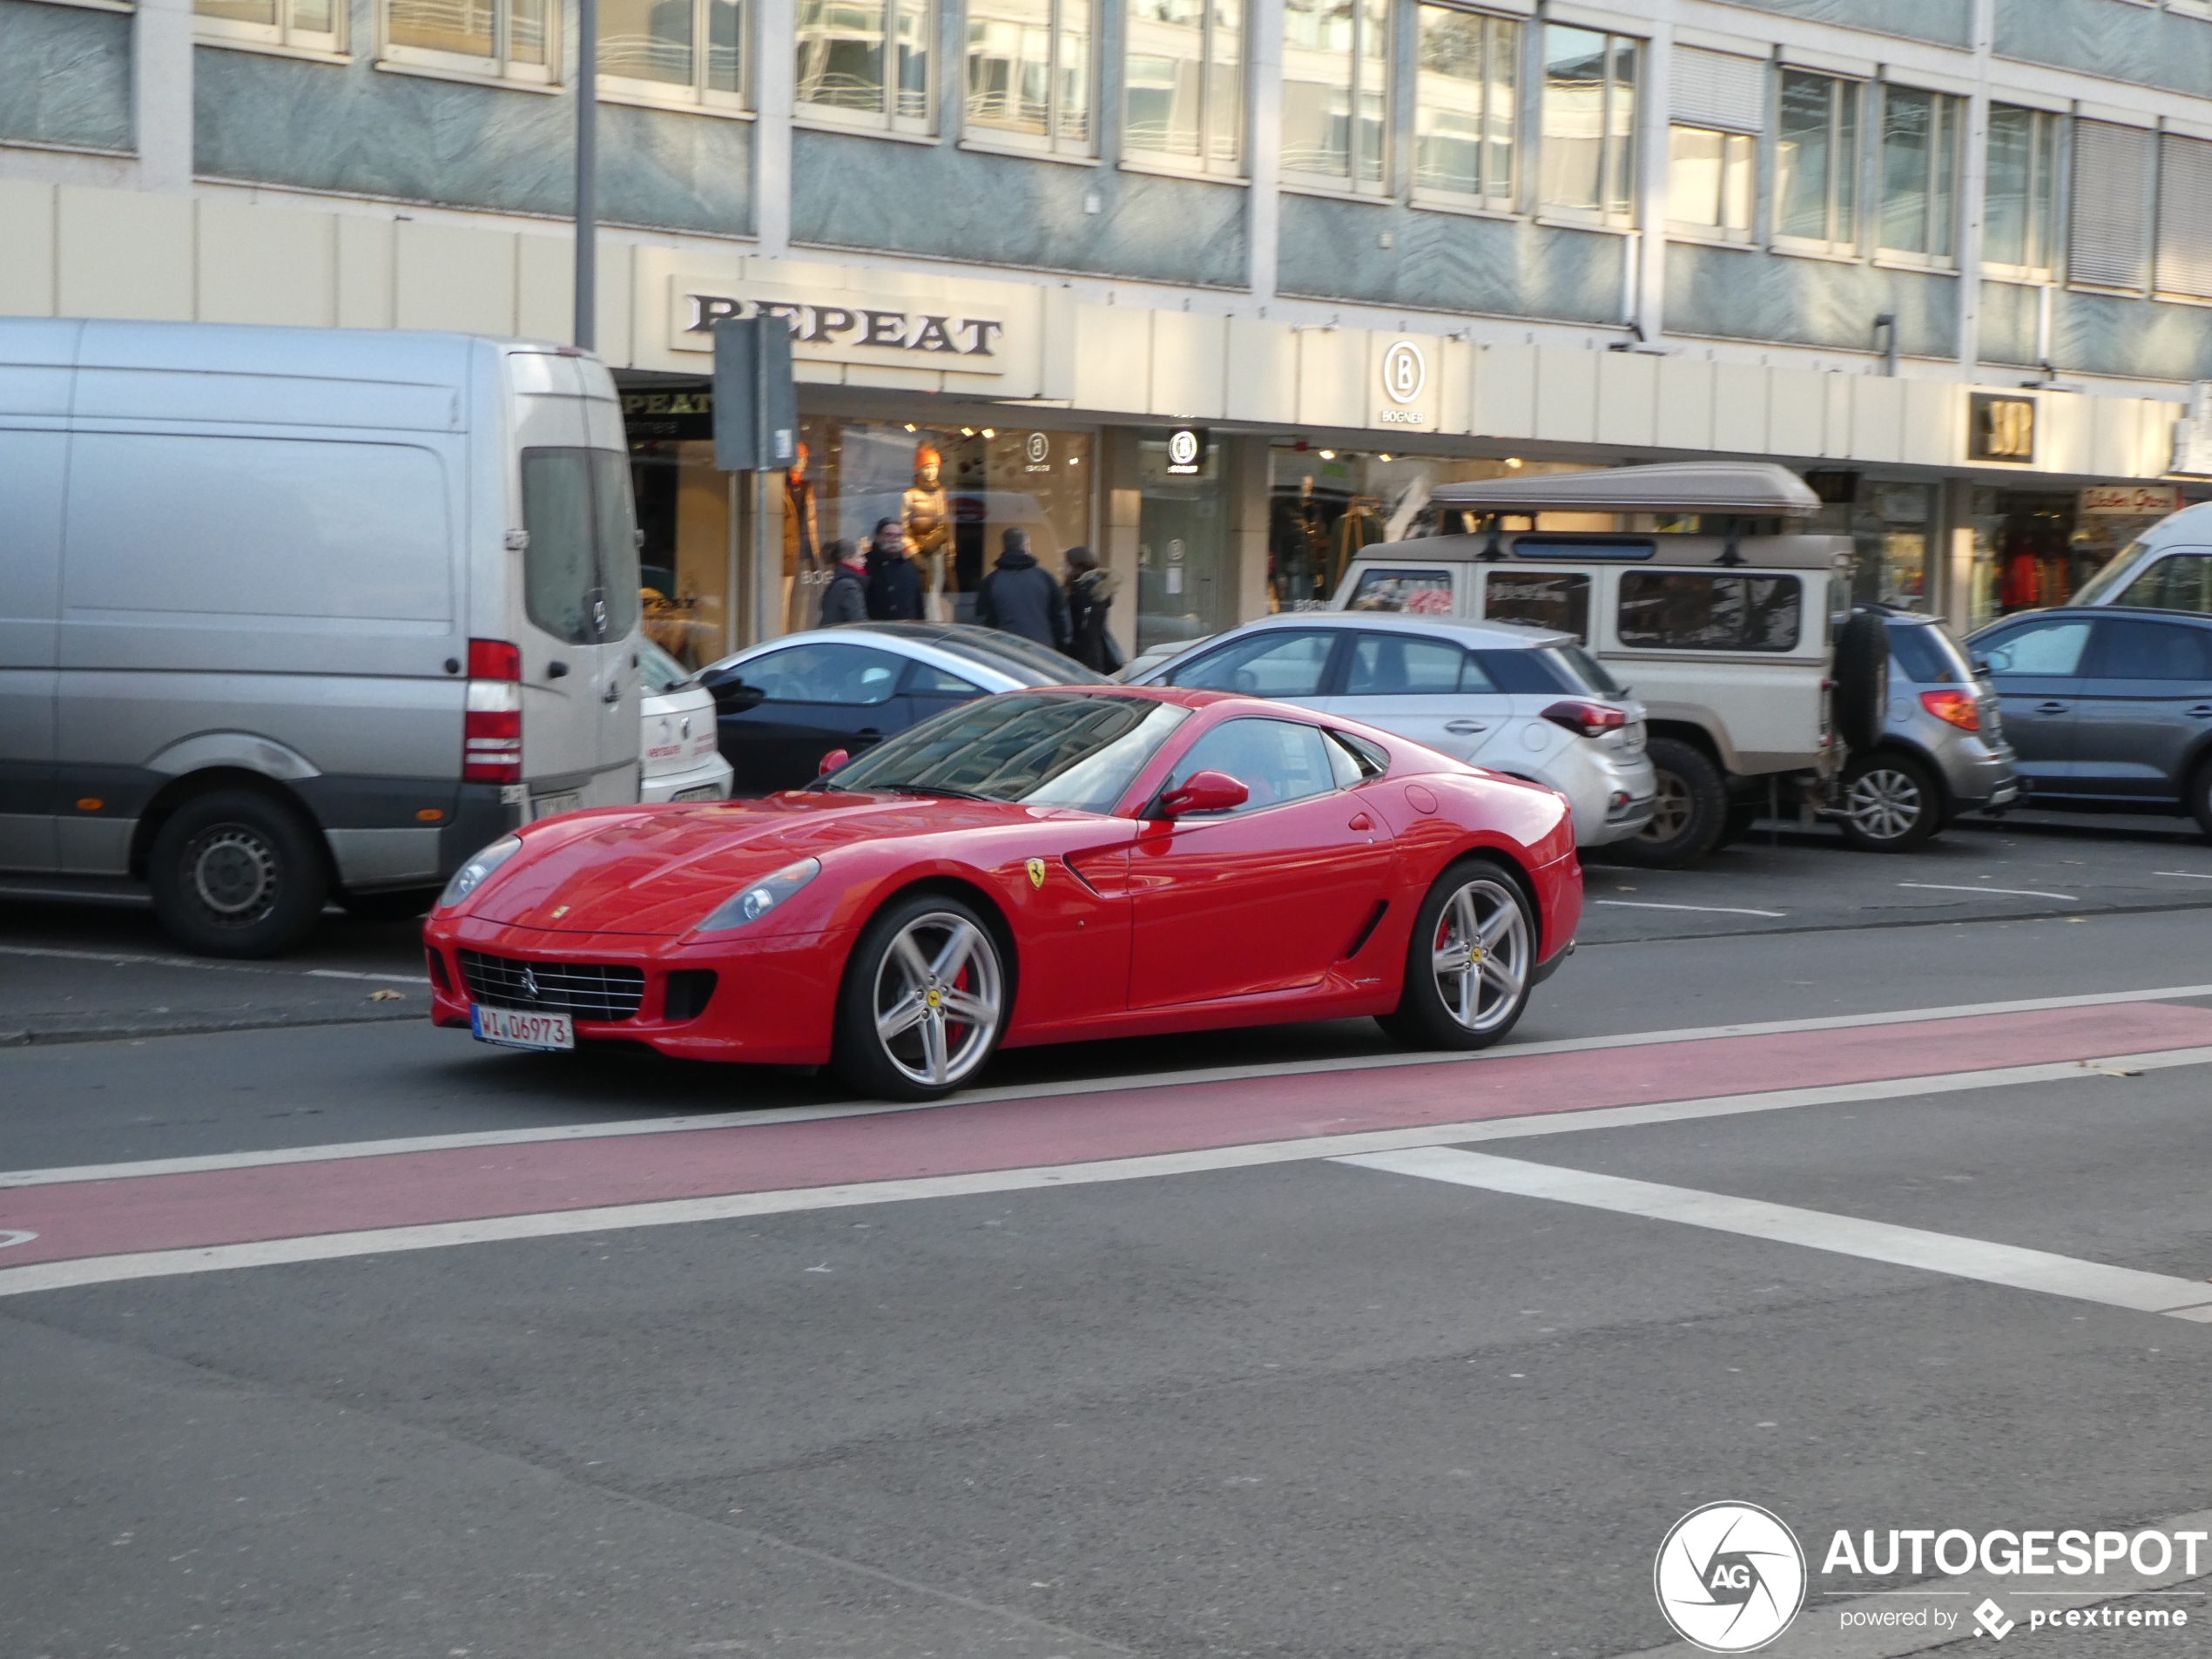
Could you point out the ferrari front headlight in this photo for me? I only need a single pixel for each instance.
(472, 875)
(763, 895)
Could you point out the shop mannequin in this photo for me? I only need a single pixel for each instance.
(806, 569)
(929, 530)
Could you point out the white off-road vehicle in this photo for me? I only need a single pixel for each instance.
(1729, 624)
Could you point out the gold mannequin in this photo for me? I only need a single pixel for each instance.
(929, 530)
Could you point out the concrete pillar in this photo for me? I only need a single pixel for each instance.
(161, 74)
(1973, 190)
(774, 80)
(1648, 283)
(1263, 144)
(1951, 555)
(1120, 516)
(1246, 480)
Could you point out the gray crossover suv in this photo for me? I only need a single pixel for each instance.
(1942, 750)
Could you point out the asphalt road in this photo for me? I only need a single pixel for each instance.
(1092, 1363)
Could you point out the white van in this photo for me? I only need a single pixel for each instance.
(292, 614)
(1722, 621)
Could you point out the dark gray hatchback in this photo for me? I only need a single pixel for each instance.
(2108, 709)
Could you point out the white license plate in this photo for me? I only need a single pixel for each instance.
(704, 792)
(547, 805)
(512, 1029)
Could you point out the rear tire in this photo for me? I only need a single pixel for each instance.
(925, 1001)
(1689, 813)
(1890, 803)
(1471, 963)
(235, 874)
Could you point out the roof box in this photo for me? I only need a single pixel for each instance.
(1744, 488)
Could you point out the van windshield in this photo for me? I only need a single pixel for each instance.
(580, 566)
(2093, 590)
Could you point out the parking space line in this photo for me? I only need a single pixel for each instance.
(2015, 893)
(2186, 876)
(1875, 1241)
(162, 1264)
(1701, 910)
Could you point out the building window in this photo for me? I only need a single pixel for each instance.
(691, 50)
(1589, 161)
(2017, 224)
(1816, 163)
(1464, 100)
(510, 38)
(311, 25)
(1919, 172)
(2184, 265)
(1029, 72)
(866, 62)
(1336, 94)
(1186, 83)
(1711, 182)
(2108, 242)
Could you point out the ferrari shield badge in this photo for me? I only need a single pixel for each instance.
(1036, 872)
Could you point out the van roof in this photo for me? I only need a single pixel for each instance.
(1746, 489)
(1627, 549)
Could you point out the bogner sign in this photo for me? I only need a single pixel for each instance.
(853, 329)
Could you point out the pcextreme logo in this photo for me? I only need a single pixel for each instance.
(1730, 1577)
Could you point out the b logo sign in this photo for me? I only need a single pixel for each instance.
(1404, 372)
(1730, 1577)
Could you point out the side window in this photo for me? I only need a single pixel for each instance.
(2178, 581)
(850, 675)
(2039, 649)
(922, 680)
(1528, 673)
(1394, 665)
(1422, 593)
(1558, 600)
(1918, 655)
(1278, 761)
(1690, 611)
(2150, 650)
(1274, 663)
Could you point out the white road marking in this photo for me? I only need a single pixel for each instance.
(619, 1126)
(104, 1270)
(1701, 910)
(1874, 1241)
(126, 958)
(2017, 893)
(2187, 875)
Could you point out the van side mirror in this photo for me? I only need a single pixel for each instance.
(832, 761)
(1203, 792)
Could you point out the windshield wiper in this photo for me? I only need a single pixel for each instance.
(932, 789)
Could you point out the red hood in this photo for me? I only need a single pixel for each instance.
(659, 870)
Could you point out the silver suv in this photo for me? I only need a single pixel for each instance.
(1942, 750)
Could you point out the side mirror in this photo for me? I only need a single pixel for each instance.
(1203, 792)
(1981, 666)
(832, 761)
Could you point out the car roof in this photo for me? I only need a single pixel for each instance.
(1007, 661)
(2090, 613)
(1509, 636)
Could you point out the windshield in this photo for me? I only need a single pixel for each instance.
(2093, 590)
(1040, 749)
(1586, 671)
(660, 672)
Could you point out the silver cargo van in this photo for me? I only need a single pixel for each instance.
(290, 614)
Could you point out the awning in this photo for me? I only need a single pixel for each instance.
(1743, 489)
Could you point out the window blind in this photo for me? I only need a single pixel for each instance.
(2109, 238)
(2185, 216)
(1719, 90)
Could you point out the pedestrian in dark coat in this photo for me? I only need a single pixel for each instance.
(1019, 597)
(846, 598)
(1090, 595)
(894, 586)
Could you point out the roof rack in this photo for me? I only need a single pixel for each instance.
(1740, 489)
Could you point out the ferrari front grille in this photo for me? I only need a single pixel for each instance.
(598, 991)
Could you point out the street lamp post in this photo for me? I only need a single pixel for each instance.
(587, 172)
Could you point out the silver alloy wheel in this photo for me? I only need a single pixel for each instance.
(1884, 803)
(938, 998)
(1671, 809)
(1480, 954)
(234, 874)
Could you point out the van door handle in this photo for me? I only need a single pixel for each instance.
(557, 670)
(2051, 708)
(613, 692)
(1464, 727)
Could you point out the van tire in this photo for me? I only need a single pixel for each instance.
(236, 874)
(1862, 694)
(1690, 815)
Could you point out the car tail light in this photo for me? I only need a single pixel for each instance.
(1586, 719)
(492, 732)
(1961, 709)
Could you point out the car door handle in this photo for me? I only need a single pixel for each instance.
(1464, 727)
(2202, 710)
(1361, 821)
(2053, 708)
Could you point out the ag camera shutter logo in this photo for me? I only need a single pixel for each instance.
(1730, 1577)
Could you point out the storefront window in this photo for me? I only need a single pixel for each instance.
(954, 491)
(684, 509)
(1891, 527)
(1184, 589)
(2037, 549)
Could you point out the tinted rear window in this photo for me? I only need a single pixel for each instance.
(2127, 649)
(580, 566)
(1690, 611)
(1925, 656)
(1527, 671)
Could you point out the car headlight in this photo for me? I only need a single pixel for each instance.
(473, 874)
(761, 897)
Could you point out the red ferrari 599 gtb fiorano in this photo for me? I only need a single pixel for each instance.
(1033, 867)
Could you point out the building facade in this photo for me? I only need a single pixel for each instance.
(1217, 287)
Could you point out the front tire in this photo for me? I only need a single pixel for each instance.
(1689, 813)
(1471, 961)
(925, 1001)
(235, 874)
(1890, 804)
